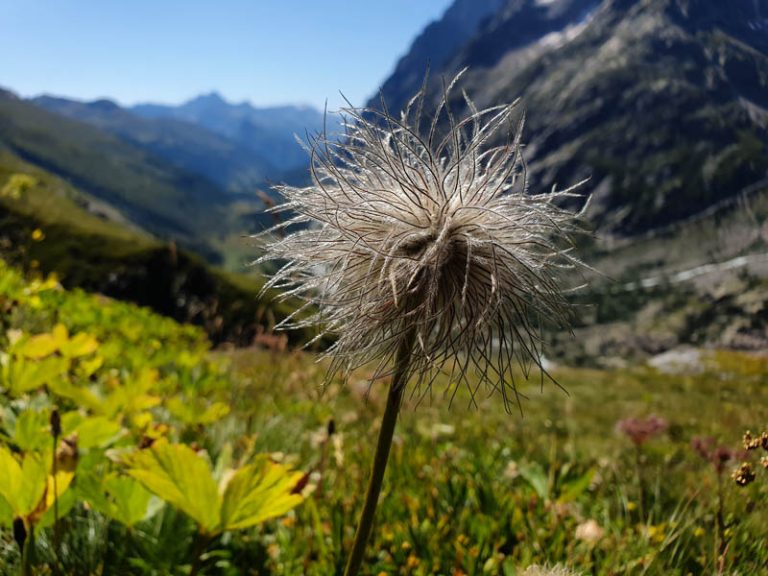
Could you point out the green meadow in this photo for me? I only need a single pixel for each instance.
(130, 446)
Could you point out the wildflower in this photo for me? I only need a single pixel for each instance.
(589, 532)
(744, 475)
(544, 571)
(421, 249)
(754, 442)
(412, 237)
(512, 470)
(718, 456)
(640, 430)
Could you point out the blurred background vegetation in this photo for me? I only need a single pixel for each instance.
(128, 308)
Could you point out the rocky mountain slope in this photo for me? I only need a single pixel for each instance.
(663, 104)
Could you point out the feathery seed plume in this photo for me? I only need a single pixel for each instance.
(408, 226)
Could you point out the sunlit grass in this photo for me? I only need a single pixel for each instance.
(475, 489)
(471, 489)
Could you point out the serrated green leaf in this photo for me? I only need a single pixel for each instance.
(120, 498)
(67, 501)
(131, 501)
(22, 375)
(175, 473)
(80, 395)
(124, 401)
(22, 485)
(79, 345)
(88, 367)
(258, 492)
(196, 411)
(37, 347)
(96, 432)
(32, 431)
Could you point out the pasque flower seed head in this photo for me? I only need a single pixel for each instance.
(424, 222)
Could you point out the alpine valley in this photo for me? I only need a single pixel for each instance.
(659, 106)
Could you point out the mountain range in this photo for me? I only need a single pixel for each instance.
(237, 146)
(660, 105)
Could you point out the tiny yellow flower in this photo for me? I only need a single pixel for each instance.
(411, 562)
(38, 235)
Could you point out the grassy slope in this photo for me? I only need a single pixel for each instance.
(183, 144)
(479, 491)
(467, 492)
(104, 256)
(157, 197)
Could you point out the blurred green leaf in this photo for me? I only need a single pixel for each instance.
(32, 431)
(196, 411)
(67, 500)
(120, 498)
(79, 345)
(258, 492)
(21, 375)
(180, 477)
(37, 347)
(22, 485)
(92, 431)
(572, 489)
(534, 474)
(6, 514)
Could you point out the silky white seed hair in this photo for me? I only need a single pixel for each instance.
(425, 222)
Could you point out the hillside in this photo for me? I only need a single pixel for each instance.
(48, 225)
(663, 104)
(185, 145)
(147, 436)
(163, 200)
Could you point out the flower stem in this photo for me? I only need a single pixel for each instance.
(388, 421)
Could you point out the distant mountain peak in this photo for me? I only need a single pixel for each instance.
(213, 97)
(8, 94)
(105, 105)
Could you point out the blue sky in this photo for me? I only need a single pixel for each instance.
(266, 51)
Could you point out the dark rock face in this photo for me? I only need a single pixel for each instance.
(663, 104)
(434, 47)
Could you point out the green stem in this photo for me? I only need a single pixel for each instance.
(388, 421)
(27, 557)
(56, 529)
(641, 482)
(720, 543)
(199, 546)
